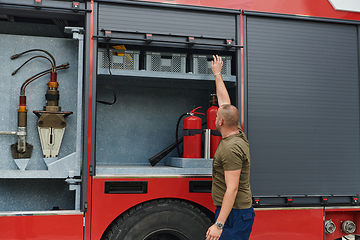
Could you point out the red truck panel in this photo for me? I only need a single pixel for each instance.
(340, 215)
(42, 227)
(106, 207)
(320, 8)
(294, 224)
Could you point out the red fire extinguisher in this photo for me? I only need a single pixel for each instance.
(192, 135)
(215, 136)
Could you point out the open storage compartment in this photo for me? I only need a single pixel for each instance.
(35, 180)
(143, 120)
(151, 99)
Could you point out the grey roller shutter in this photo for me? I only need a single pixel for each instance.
(303, 107)
(120, 17)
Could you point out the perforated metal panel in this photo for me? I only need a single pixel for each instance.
(165, 62)
(119, 59)
(201, 64)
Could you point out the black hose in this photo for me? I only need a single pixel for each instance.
(33, 50)
(111, 79)
(38, 75)
(157, 158)
(177, 133)
(52, 64)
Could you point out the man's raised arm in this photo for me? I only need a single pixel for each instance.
(221, 91)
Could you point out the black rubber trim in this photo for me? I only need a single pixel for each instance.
(126, 187)
(200, 186)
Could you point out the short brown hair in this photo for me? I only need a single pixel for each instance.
(230, 114)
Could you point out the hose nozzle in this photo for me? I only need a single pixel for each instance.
(15, 56)
(14, 72)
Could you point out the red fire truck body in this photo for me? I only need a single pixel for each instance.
(101, 186)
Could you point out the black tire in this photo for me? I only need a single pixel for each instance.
(163, 219)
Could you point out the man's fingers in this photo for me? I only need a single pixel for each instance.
(208, 237)
(217, 59)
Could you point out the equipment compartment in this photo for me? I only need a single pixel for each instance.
(165, 62)
(201, 64)
(118, 59)
(139, 125)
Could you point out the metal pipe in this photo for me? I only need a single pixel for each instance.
(8, 133)
(207, 143)
(21, 147)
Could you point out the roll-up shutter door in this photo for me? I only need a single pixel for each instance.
(303, 107)
(166, 21)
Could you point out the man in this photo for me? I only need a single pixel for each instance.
(231, 170)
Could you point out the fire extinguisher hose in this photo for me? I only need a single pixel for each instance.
(159, 156)
(177, 133)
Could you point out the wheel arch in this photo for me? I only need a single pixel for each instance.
(208, 213)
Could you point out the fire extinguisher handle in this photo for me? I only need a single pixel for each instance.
(199, 113)
(193, 111)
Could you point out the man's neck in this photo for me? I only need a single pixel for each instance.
(228, 132)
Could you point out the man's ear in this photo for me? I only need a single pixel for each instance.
(221, 122)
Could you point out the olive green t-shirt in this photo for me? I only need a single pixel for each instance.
(232, 154)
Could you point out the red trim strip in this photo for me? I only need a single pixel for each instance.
(89, 178)
(242, 110)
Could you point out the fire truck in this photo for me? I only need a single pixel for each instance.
(118, 155)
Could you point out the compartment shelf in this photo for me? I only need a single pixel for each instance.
(163, 75)
(163, 79)
(173, 166)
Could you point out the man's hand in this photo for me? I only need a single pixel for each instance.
(213, 233)
(221, 92)
(216, 65)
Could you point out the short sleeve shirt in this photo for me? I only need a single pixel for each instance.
(232, 154)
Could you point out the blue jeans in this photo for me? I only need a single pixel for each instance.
(238, 225)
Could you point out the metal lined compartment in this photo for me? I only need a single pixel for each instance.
(165, 62)
(38, 183)
(201, 64)
(118, 60)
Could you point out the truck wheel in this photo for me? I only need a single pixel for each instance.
(164, 219)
